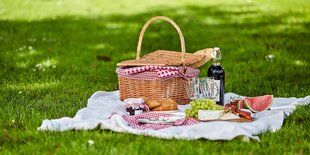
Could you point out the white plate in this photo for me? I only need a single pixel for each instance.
(147, 121)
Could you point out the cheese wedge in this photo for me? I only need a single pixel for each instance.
(205, 115)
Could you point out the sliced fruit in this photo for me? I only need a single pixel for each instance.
(259, 103)
(240, 104)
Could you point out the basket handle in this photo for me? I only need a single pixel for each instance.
(174, 25)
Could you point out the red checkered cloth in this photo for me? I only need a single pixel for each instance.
(162, 71)
(133, 121)
(156, 72)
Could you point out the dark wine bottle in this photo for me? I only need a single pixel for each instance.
(217, 72)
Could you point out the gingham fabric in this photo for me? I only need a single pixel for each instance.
(156, 72)
(161, 71)
(102, 104)
(133, 121)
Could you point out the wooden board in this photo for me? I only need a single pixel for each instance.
(229, 120)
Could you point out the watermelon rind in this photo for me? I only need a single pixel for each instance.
(247, 105)
(240, 104)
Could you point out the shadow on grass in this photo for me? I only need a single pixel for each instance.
(72, 44)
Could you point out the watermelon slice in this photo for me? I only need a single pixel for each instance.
(257, 104)
(240, 104)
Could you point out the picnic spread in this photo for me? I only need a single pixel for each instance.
(105, 110)
(162, 95)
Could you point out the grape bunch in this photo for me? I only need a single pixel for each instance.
(201, 104)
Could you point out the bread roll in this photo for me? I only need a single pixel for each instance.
(166, 105)
(151, 103)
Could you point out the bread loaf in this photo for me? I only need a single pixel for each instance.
(151, 103)
(166, 105)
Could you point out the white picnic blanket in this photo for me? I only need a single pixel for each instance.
(102, 104)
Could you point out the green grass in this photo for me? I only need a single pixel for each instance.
(67, 36)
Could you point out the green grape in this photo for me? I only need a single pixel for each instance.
(197, 103)
(192, 112)
(193, 115)
(201, 104)
(205, 107)
(192, 103)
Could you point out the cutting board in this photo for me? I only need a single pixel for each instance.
(229, 120)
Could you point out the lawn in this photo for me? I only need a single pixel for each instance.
(55, 54)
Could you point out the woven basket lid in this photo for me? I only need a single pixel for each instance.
(163, 58)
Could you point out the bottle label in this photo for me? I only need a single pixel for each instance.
(216, 91)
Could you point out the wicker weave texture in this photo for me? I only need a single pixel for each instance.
(157, 90)
(167, 58)
(173, 88)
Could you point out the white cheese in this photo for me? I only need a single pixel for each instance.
(205, 115)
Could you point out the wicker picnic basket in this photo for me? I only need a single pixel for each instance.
(160, 88)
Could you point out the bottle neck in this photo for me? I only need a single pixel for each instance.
(217, 57)
(216, 62)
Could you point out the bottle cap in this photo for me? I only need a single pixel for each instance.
(216, 48)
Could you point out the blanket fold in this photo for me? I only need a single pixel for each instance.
(106, 110)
